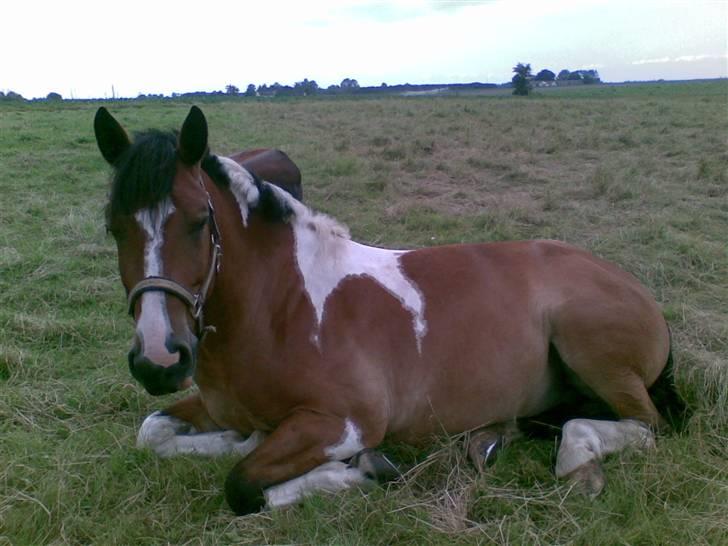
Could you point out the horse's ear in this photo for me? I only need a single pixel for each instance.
(193, 137)
(110, 136)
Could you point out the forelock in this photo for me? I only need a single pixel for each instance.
(144, 174)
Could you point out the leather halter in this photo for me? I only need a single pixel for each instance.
(194, 302)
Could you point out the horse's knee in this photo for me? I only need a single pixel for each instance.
(243, 494)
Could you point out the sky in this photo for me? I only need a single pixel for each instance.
(123, 48)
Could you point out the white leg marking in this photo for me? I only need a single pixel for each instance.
(168, 436)
(585, 440)
(329, 477)
(349, 445)
(153, 325)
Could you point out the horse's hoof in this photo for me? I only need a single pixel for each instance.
(243, 496)
(375, 466)
(483, 447)
(588, 479)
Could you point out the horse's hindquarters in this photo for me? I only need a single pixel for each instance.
(494, 311)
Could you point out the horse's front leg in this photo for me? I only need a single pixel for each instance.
(185, 427)
(302, 455)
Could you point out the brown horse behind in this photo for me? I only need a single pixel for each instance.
(317, 347)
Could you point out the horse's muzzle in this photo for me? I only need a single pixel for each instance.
(160, 379)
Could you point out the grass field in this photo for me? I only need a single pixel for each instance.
(639, 175)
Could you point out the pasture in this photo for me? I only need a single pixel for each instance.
(638, 175)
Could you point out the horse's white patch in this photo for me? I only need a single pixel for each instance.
(326, 256)
(330, 477)
(168, 436)
(153, 324)
(324, 264)
(349, 444)
(584, 440)
(241, 185)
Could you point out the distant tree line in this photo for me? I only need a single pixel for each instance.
(10, 96)
(348, 86)
(13, 96)
(522, 81)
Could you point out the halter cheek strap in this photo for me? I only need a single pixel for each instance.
(193, 302)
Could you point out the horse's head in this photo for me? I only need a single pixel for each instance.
(161, 217)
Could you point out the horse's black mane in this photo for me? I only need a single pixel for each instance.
(144, 175)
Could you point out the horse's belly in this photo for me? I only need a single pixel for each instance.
(467, 395)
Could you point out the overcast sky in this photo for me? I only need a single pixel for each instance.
(83, 48)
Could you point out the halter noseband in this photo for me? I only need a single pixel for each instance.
(194, 302)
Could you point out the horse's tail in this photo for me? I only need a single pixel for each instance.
(666, 398)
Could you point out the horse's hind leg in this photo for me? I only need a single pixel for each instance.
(185, 427)
(609, 363)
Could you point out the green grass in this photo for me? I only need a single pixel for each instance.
(637, 174)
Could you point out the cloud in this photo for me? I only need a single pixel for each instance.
(681, 59)
(652, 61)
(703, 57)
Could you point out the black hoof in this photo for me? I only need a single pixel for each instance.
(483, 448)
(375, 466)
(243, 496)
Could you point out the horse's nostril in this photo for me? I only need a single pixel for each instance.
(162, 378)
(176, 346)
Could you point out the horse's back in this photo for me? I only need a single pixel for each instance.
(273, 166)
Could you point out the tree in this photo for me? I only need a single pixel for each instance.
(589, 76)
(522, 79)
(250, 91)
(54, 96)
(306, 87)
(574, 76)
(545, 76)
(563, 75)
(349, 84)
(230, 89)
(12, 95)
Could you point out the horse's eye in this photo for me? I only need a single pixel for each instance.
(198, 226)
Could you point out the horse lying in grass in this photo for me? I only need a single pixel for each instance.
(308, 348)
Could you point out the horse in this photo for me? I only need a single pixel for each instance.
(307, 349)
(274, 166)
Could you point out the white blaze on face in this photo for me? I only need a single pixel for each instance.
(153, 325)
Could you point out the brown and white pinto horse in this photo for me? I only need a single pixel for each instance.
(316, 347)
